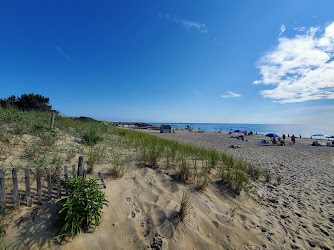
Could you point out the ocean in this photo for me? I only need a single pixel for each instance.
(305, 131)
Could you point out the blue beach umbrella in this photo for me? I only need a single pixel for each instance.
(272, 135)
(239, 131)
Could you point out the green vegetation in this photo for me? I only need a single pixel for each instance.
(99, 141)
(185, 205)
(26, 102)
(279, 180)
(82, 206)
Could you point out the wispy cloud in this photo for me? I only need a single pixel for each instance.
(65, 55)
(282, 30)
(188, 24)
(300, 68)
(230, 94)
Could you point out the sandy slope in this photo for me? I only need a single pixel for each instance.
(298, 213)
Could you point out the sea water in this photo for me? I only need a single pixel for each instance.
(303, 130)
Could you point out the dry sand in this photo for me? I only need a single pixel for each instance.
(299, 213)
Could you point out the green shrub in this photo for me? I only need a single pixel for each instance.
(91, 138)
(82, 206)
(38, 128)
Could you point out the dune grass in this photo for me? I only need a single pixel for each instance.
(185, 205)
(97, 140)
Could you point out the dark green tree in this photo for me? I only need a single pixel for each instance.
(27, 102)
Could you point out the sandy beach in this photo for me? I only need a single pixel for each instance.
(143, 207)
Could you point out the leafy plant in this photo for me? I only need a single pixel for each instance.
(91, 138)
(83, 205)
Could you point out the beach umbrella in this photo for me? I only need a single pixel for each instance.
(272, 135)
(239, 131)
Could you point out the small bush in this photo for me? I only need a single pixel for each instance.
(83, 205)
(91, 138)
(38, 128)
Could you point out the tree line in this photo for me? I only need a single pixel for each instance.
(27, 102)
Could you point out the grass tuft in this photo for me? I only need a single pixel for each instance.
(185, 205)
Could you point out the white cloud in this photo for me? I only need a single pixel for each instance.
(230, 94)
(188, 24)
(300, 68)
(282, 30)
(61, 51)
(194, 25)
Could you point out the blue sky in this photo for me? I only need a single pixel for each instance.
(173, 61)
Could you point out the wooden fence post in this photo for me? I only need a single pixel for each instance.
(65, 173)
(74, 173)
(52, 119)
(48, 179)
(2, 190)
(16, 197)
(81, 166)
(39, 186)
(28, 192)
(58, 182)
(103, 184)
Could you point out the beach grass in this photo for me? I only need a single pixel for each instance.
(98, 138)
(185, 205)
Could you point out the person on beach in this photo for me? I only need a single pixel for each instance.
(283, 136)
(293, 139)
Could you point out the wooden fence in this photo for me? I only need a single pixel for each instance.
(58, 181)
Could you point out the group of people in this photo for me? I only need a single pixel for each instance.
(281, 141)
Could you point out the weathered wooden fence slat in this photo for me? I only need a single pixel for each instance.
(74, 172)
(16, 197)
(58, 182)
(39, 186)
(48, 179)
(28, 191)
(48, 195)
(103, 184)
(81, 166)
(52, 119)
(65, 173)
(2, 190)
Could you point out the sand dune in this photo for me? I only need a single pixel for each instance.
(144, 206)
